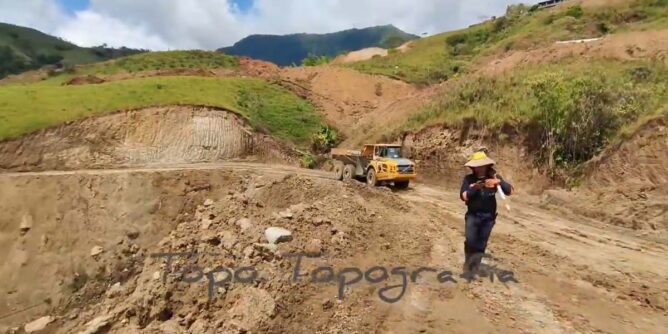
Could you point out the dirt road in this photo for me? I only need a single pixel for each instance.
(563, 273)
(573, 274)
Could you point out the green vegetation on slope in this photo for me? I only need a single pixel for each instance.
(28, 107)
(23, 49)
(292, 49)
(444, 56)
(574, 109)
(194, 59)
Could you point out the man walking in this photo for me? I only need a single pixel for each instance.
(478, 192)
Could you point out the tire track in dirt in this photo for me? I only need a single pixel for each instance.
(153, 168)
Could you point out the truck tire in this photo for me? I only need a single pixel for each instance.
(348, 172)
(338, 170)
(401, 184)
(371, 177)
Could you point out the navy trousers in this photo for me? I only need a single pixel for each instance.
(477, 230)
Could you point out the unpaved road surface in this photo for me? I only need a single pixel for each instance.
(549, 272)
(574, 274)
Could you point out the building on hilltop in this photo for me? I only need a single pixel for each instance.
(550, 3)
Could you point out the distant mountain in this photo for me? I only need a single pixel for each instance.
(292, 49)
(23, 49)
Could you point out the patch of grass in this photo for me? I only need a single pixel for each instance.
(433, 59)
(163, 61)
(28, 107)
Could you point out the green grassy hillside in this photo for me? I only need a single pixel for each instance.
(28, 107)
(444, 56)
(292, 49)
(150, 61)
(23, 49)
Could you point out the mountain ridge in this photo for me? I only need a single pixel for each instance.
(293, 48)
(24, 48)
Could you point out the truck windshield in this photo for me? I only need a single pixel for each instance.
(392, 152)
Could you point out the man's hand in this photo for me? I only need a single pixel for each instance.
(492, 183)
(476, 185)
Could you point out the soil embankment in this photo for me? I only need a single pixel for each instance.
(158, 135)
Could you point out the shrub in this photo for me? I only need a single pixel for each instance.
(308, 161)
(457, 38)
(578, 116)
(313, 60)
(602, 27)
(575, 11)
(325, 139)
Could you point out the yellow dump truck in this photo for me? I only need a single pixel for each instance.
(375, 163)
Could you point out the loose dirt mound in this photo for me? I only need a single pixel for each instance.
(159, 135)
(360, 55)
(652, 45)
(129, 217)
(633, 176)
(85, 80)
(361, 106)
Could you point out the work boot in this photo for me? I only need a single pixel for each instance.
(466, 270)
(476, 261)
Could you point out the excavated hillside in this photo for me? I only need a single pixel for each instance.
(164, 135)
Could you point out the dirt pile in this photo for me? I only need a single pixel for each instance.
(85, 80)
(124, 287)
(360, 55)
(159, 135)
(254, 67)
(362, 107)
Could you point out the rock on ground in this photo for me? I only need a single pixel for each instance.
(277, 235)
(38, 325)
(96, 325)
(97, 250)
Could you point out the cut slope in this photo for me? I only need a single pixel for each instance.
(159, 135)
(632, 175)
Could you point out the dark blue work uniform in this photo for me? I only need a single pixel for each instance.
(481, 214)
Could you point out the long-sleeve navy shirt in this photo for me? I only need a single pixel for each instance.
(482, 200)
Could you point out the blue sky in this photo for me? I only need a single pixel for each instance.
(76, 5)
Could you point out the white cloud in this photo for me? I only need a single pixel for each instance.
(89, 28)
(43, 15)
(209, 24)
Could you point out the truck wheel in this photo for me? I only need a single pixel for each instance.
(401, 184)
(338, 170)
(348, 172)
(371, 177)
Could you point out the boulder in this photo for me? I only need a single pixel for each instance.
(26, 223)
(97, 250)
(277, 235)
(39, 324)
(96, 325)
